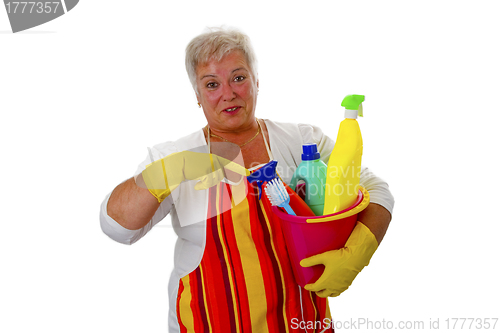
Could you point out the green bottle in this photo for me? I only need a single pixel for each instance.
(312, 171)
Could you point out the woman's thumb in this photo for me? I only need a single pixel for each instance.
(312, 261)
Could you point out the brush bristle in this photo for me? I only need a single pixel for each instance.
(276, 192)
(272, 195)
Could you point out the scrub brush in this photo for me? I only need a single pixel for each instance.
(278, 196)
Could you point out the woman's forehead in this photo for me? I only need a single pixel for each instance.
(231, 62)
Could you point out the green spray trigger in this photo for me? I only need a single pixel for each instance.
(353, 102)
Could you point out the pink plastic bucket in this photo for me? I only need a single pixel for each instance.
(306, 236)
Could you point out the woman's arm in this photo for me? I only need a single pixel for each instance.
(377, 219)
(132, 206)
(378, 214)
(134, 202)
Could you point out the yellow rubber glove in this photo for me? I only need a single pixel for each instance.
(164, 175)
(342, 266)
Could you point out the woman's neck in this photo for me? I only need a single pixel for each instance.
(241, 136)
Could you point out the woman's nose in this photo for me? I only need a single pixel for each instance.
(228, 93)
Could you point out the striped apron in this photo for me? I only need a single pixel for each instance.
(245, 282)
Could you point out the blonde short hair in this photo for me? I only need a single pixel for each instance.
(215, 44)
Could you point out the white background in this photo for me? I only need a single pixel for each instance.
(83, 96)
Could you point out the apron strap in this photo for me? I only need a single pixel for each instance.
(265, 142)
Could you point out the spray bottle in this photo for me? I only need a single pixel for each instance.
(344, 165)
(312, 171)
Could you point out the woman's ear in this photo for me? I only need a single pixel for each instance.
(197, 99)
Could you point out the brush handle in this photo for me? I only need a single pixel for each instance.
(289, 209)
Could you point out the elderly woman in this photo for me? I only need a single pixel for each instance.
(231, 269)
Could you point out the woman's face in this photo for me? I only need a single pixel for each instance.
(227, 93)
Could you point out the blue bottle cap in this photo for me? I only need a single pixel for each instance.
(310, 152)
(263, 174)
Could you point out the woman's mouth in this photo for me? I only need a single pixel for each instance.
(232, 109)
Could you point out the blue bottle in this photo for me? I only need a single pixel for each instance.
(312, 171)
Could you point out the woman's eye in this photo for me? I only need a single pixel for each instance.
(239, 78)
(211, 85)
